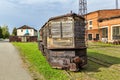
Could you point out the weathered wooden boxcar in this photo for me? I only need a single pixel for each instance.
(63, 42)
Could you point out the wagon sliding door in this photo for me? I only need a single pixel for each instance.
(67, 34)
(62, 34)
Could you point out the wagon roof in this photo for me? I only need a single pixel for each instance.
(66, 15)
(62, 16)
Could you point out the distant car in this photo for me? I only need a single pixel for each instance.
(6, 40)
(1, 39)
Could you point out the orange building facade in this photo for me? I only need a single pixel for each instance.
(103, 25)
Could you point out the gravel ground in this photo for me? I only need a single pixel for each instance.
(11, 65)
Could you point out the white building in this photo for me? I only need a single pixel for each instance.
(25, 33)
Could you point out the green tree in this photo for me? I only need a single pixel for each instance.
(14, 32)
(5, 32)
(1, 36)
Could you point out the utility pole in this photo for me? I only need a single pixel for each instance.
(82, 7)
(116, 4)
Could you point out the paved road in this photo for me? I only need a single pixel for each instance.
(11, 67)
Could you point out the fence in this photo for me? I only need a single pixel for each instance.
(23, 38)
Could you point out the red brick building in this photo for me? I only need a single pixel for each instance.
(103, 25)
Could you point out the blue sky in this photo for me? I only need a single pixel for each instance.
(35, 13)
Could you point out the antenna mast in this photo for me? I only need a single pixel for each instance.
(82, 7)
(116, 4)
(83, 12)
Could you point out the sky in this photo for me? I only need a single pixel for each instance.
(34, 13)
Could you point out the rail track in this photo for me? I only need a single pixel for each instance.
(76, 75)
(69, 74)
(103, 63)
(79, 75)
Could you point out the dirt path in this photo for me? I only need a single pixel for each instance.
(11, 64)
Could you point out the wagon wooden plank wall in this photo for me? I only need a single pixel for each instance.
(63, 42)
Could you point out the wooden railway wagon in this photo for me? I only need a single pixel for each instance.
(63, 42)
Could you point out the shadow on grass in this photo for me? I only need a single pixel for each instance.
(94, 67)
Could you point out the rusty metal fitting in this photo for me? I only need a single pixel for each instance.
(77, 60)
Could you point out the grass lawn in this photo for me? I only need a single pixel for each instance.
(97, 72)
(38, 63)
(106, 52)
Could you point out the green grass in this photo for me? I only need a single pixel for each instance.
(96, 72)
(106, 52)
(99, 72)
(37, 62)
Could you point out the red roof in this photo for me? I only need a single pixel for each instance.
(26, 27)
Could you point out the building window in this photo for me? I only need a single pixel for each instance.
(90, 22)
(90, 28)
(97, 36)
(89, 36)
(104, 32)
(21, 30)
(116, 33)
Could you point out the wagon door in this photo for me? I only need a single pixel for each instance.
(61, 35)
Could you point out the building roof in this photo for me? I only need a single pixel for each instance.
(109, 18)
(103, 10)
(106, 14)
(26, 27)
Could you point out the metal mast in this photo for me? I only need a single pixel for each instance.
(83, 12)
(116, 4)
(82, 7)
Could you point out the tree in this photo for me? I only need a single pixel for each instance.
(1, 36)
(5, 32)
(14, 32)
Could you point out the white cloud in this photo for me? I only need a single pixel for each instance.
(30, 2)
(36, 12)
(6, 7)
(94, 5)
